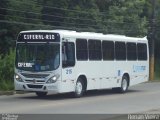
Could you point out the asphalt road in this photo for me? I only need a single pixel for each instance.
(142, 98)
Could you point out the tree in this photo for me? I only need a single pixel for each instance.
(126, 17)
(18, 16)
(3, 29)
(53, 13)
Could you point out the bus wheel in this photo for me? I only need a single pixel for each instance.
(79, 89)
(41, 94)
(124, 85)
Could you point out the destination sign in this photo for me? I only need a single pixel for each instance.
(38, 37)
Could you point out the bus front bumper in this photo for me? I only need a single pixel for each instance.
(49, 88)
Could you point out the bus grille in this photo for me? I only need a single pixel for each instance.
(35, 86)
(35, 75)
(37, 81)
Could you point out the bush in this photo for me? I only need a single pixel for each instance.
(7, 71)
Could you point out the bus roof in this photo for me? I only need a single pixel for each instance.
(90, 35)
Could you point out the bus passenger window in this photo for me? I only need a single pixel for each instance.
(142, 51)
(131, 51)
(95, 52)
(120, 50)
(81, 49)
(108, 50)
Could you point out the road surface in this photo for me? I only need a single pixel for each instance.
(142, 98)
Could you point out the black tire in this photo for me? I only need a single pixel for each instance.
(41, 94)
(79, 88)
(124, 85)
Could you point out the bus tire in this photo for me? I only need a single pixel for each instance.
(79, 88)
(41, 94)
(124, 85)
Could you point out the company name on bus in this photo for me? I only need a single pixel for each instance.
(38, 37)
(139, 68)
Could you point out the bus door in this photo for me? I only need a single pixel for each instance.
(68, 63)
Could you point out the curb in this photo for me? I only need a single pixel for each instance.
(7, 92)
(150, 81)
(11, 92)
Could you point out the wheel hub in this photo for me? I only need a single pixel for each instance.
(124, 84)
(78, 87)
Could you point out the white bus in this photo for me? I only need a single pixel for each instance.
(61, 61)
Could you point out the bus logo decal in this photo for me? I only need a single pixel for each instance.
(139, 68)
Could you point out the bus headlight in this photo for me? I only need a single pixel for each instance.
(53, 79)
(18, 78)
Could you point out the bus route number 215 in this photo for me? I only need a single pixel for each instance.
(68, 71)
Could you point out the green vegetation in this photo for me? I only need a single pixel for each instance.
(127, 17)
(7, 71)
(157, 69)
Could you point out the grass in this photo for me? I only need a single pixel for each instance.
(6, 85)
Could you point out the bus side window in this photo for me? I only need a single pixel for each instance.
(68, 54)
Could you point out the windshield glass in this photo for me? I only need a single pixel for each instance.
(37, 57)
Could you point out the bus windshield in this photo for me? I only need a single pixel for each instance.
(37, 57)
